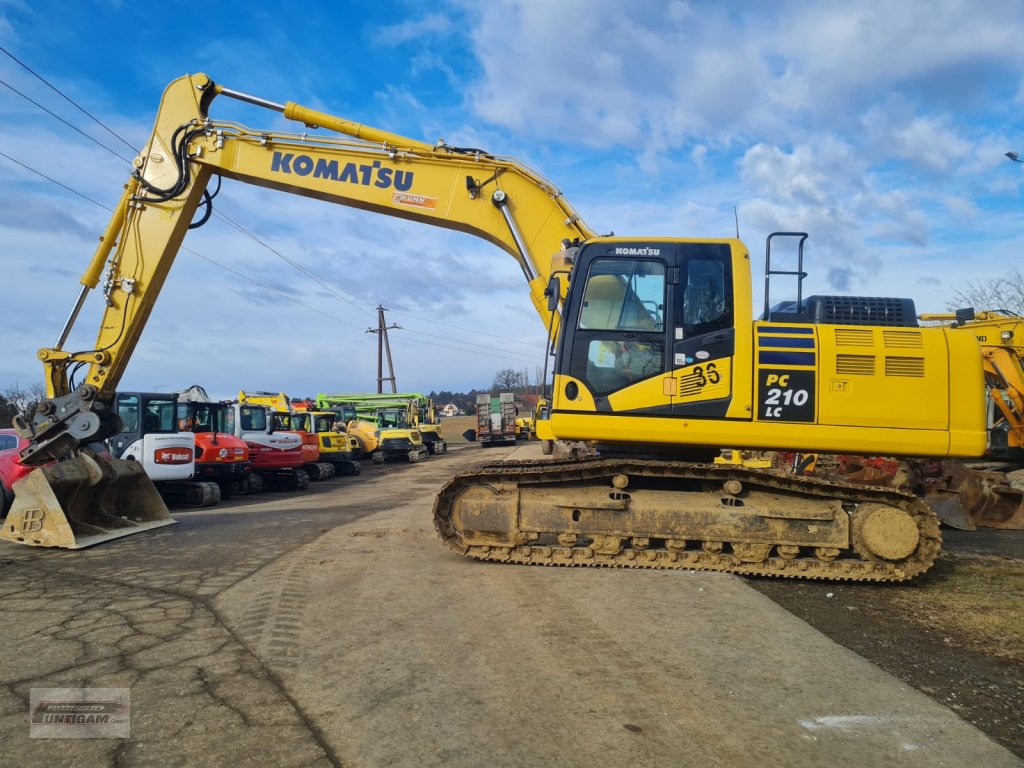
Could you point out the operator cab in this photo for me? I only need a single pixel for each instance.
(206, 417)
(392, 418)
(641, 310)
(142, 413)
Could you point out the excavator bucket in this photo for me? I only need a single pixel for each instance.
(83, 501)
(967, 498)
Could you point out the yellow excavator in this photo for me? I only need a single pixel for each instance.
(658, 361)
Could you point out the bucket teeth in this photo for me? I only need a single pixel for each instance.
(83, 501)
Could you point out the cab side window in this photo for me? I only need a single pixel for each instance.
(707, 297)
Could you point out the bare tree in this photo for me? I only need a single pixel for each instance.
(21, 400)
(508, 379)
(1006, 292)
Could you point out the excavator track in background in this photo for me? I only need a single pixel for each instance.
(680, 515)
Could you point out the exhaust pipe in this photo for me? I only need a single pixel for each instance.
(82, 501)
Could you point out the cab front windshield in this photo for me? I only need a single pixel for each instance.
(299, 422)
(253, 418)
(324, 422)
(206, 417)
(392, 419)
(621, 324)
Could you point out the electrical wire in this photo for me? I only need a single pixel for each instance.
(459, 327)
(316, 278)
(179, 143)
(500, 356)
(62, 186)
(66, 98)
(69, 125)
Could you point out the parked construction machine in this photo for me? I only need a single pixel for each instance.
(150, 436)
(336, 446)
(420, 412)
(275, 457)
(281, 416)
(364, 432)
(221, 457)
(399, 437)
(658, 361)
(426, 417)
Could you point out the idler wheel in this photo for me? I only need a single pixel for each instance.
(884, 533)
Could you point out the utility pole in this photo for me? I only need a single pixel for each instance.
(384, 347)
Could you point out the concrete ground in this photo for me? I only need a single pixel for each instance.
(333, 628)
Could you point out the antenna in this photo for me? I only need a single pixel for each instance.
(736, 216)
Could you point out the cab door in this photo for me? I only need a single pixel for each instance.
(703, 330)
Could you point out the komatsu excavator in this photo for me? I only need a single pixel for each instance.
(658, 361)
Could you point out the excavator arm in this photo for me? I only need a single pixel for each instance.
(469, 190)
(85, 497)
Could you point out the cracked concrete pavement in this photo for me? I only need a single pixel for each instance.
(333, 628)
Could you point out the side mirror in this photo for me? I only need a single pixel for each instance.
(553, 292)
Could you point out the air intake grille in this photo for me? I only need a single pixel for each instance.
(904, 366)
(856, 365)
(861, 310)
(849, 337)
(903, 339)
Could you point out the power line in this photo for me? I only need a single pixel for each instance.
(63, 186)
(500, 356)
(344, 296)
(281, 256)
(67, 98)
(69, 125)
(459, 327)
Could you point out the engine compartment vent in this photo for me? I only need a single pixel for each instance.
(848, 310)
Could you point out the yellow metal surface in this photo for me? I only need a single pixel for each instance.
(868, 376)
(83, 501)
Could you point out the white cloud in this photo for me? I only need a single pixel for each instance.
(430, 25)
(871, 126)
(963, 210)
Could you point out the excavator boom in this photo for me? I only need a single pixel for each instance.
(494, 198)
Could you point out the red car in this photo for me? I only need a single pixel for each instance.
(11, 470)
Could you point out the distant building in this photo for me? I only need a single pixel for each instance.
(451, 410)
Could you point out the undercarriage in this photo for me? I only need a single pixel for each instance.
(671, 514)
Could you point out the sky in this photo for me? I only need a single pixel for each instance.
(877, 127)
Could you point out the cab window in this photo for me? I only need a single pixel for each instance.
(253, 419)
(128, 410)
(707, 297)
(160, 416)
(624, 295)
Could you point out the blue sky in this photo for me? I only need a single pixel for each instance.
(877, 127)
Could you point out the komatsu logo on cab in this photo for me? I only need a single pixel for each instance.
(647, 251)
(351, 173)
